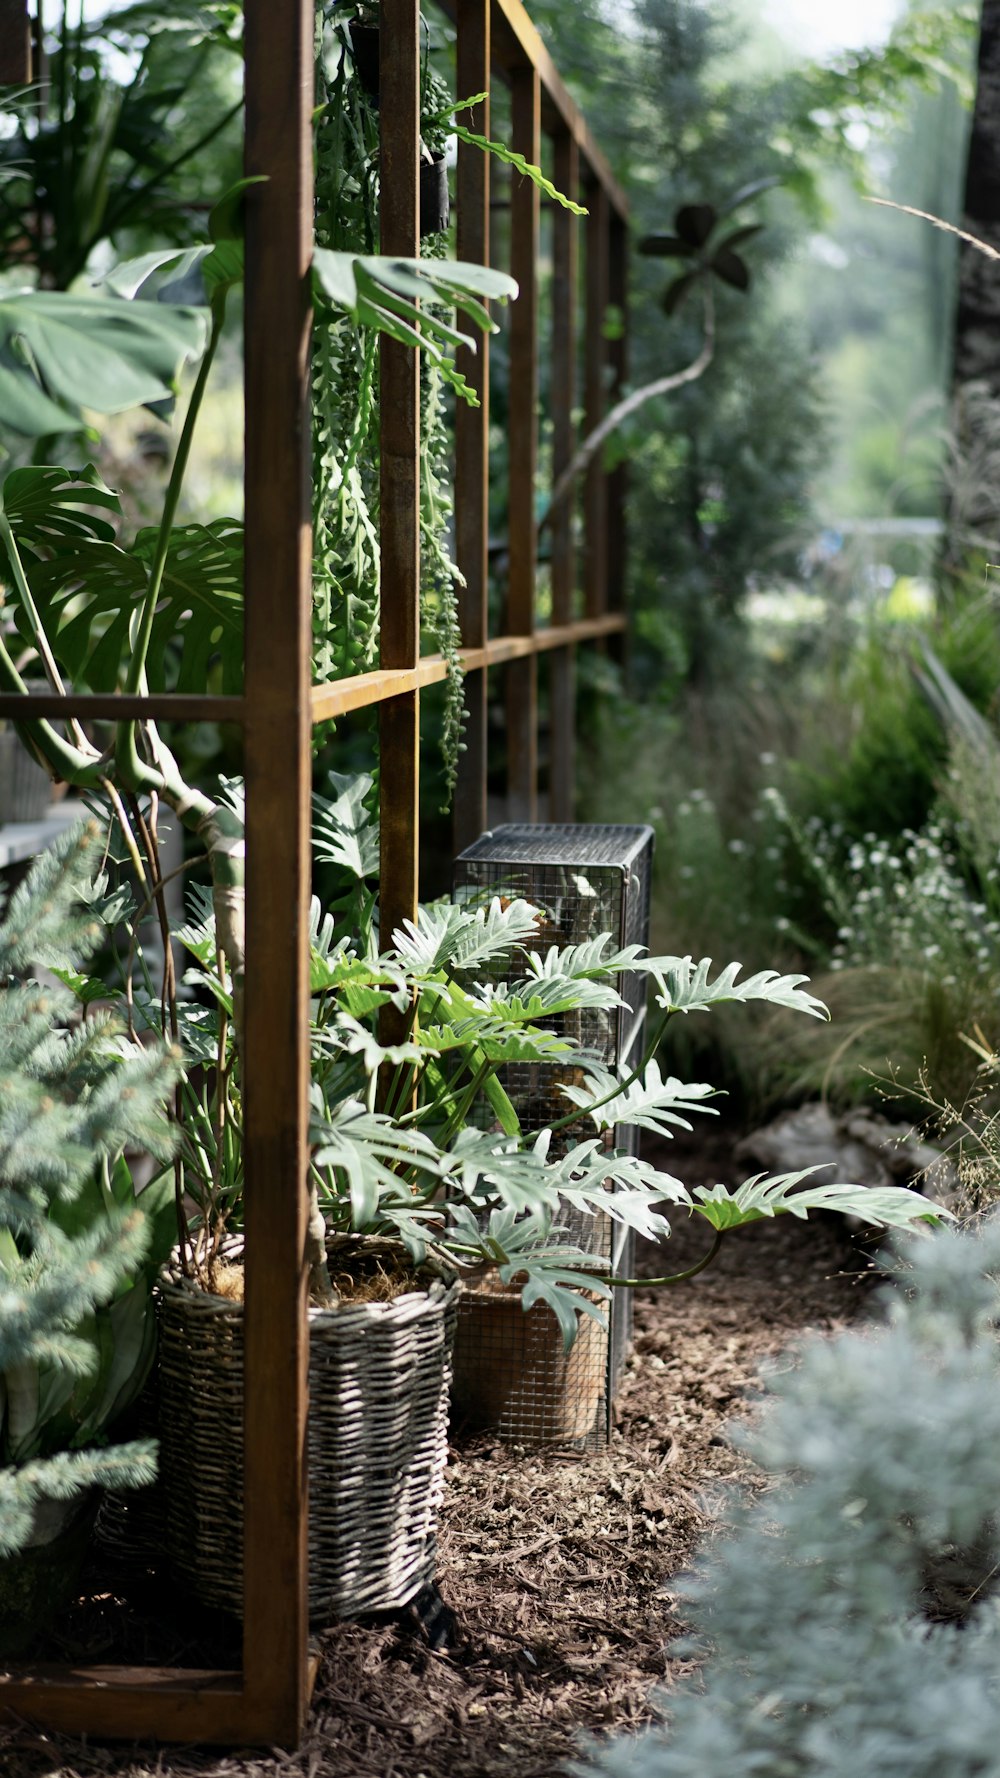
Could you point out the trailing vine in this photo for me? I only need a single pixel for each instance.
(440, 577)
(344, 373)
(346, 568)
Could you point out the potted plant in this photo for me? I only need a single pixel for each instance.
(420, 1174)
(78, 1249)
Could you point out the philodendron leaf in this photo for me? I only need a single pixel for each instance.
(345, 832)
(462, 939)
(595, 957)
(568, 1292)
(60, 353)
(650, 1103)
(684, 986)
(892, 1206)
(363, 1158)
(543, 996)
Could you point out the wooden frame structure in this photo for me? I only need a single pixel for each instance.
(265, 1702)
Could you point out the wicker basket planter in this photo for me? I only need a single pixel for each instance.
(379, 1376)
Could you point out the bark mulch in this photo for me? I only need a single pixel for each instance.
(559, 1570)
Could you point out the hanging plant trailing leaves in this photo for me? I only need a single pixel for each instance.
(346, 565)
(345, 370)
(346, 569)
(440, 575)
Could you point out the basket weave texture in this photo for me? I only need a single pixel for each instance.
(379, 1378)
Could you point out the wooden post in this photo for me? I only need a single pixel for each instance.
(472, 424)
(595, 483)
(522, 432)
(15, 43)
(617, 481)
(399, 488)
(565, 275)
(279, 96)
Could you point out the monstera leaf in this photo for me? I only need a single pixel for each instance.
(87, 588)
(52, 509)
(60, 353)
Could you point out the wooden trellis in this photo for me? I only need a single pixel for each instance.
(266, 1700)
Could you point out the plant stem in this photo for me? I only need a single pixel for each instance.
(134, 773)
(649, 1052)
(671, 1277)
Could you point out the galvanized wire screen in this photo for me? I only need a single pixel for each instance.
(512, 1376)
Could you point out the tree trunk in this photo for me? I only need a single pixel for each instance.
(977, 321)
(973, 520)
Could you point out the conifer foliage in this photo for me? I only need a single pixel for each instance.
(76, 1247)
(851, 1616)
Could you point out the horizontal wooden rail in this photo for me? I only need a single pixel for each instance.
(115, 707)
(343, 695)
(141, 1703)
(134, 1703)
(517, 44)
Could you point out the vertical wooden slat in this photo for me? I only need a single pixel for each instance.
(522, 676)
(15, 43)
(473, 75)
(565, 274)
(595, 350)
(617, 485)
(399, 487)
(279, 88)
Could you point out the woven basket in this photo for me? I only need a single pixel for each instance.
(130, 1520)
(379, 1376)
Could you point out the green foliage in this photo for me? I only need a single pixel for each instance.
(88, 590)
(60, 353)
(78, 1251)
(414, 1133)
(881, 770)
(847, 1620)
(89, 157)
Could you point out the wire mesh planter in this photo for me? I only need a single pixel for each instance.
(25, 788)
(512, 1376)
(379, 1377)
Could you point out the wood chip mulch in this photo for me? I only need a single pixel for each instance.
(559, 1569)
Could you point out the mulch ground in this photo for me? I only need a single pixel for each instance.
(560, 1570)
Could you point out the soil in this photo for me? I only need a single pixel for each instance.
(557, 1571)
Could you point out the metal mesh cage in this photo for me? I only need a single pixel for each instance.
(511, 1374)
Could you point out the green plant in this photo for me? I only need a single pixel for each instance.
(414, 1133)
(846, 1621)
(103, 613)
(90, 157)
(78, 1250)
